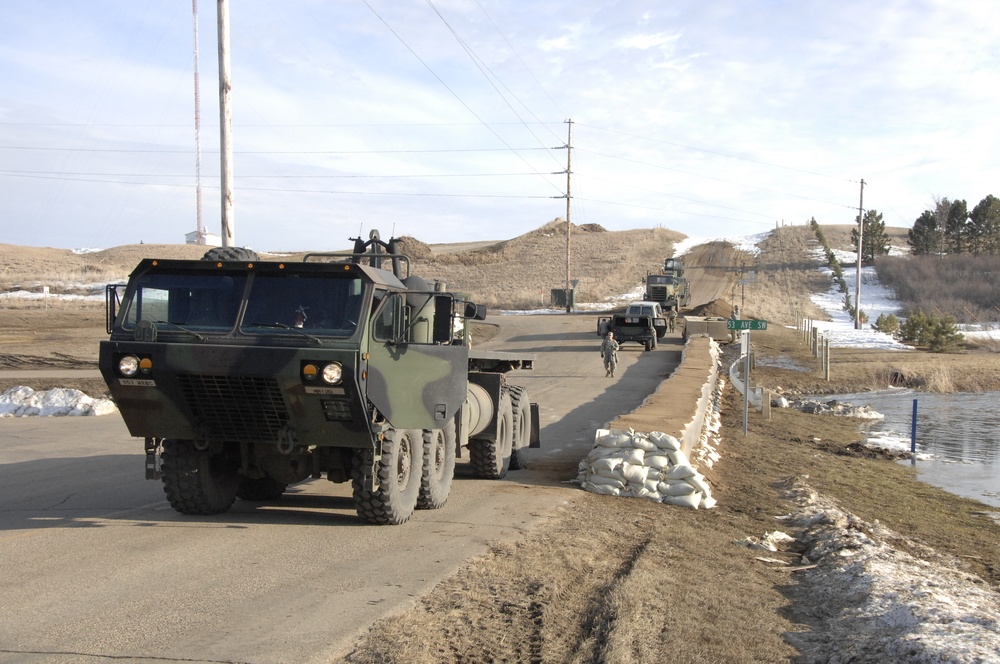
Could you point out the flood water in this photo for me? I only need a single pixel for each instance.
(958, 437)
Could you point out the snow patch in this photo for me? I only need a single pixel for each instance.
(24, 402)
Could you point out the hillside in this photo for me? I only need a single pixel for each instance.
(509, 274)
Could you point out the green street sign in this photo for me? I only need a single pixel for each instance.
(738, 324)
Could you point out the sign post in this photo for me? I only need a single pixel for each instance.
(742, 325)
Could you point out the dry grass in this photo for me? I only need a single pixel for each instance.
(860, 370)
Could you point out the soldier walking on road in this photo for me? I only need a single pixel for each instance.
(609, 351)
(672, 319)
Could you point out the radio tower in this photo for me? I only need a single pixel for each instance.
(197, 128)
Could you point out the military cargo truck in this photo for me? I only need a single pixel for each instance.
(669, 288)
(245, 376)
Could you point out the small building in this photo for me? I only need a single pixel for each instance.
(211, 239)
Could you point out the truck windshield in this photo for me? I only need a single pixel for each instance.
(203, 301)
(318, 304)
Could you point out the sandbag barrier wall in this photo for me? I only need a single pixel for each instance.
(680, 404)
(656, 465)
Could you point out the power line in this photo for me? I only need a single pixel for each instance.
(133, 151)
(720, 154)
(287, 191)
(709, 177)
(446, 86)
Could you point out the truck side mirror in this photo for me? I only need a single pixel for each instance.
(112, 300)
(475, 311)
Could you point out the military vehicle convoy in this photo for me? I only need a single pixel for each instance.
(245, 376)
(669, 288)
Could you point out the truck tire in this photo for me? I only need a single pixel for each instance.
(230, 254)
(439, 467)
(521, 407)
(399, 470)
(198, 481)
(264, 488)
(491, 458)
(648, 344)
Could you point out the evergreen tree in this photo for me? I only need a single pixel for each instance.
(984, 226)
(925, 237)
(875, 240)
(957, 228)
(943, 335)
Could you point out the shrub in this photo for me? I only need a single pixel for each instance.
(939, 334)
(914, 328)
(887, 324)
(943, 335)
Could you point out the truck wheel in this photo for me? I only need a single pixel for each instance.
(230, 254)
(438, 468)
(197, 481)
(521, 406)
(648, 344)
(398, 476)
(264, 488)
(491, 458)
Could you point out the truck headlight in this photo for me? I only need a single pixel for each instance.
(128, 365)
(333, 373)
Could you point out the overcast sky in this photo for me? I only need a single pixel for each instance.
(446, 119)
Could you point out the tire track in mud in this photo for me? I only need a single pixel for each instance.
(599, 621)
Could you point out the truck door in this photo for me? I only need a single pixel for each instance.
(415, 382)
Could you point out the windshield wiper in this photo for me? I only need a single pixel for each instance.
(194, 334)
(282, 326)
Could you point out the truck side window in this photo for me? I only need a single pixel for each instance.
(388, 322)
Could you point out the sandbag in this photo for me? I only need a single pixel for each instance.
(635, 491)
(679, 472)
(609, 481)
(652, 486)
(634, 474)
(604, 489)
(675, 488)
(634, 457)
(605, 466)
(664, 441)
(691, 500)
(606, 438)
(658, 461)
(601, 452)
(641, 442)
(699, 483)
(676, 457)
(707, 503)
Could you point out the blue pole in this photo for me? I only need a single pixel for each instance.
(913, 433)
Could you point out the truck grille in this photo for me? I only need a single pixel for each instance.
(236, 407)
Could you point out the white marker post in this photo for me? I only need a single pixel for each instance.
(745, 326)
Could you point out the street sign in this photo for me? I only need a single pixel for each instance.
(738, 324)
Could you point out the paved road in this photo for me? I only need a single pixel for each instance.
(94, 564)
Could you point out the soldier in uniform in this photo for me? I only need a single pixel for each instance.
(609, 351)
(672, 318)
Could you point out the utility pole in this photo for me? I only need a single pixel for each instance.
(225, 126)
(861, 236)
(569, 226)
(200, 233)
